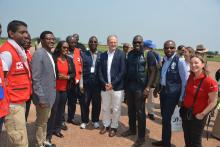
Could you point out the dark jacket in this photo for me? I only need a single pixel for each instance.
(136, 76)
(173, 80)
(90, 80)
(71, 71)
(117, 70)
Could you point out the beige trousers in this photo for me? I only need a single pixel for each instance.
(43, 115)
(15, 125)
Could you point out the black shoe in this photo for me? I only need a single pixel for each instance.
(58, 134)
(151, 116)
(74, 122)
(139, 142)
(104, 130)
(128, 133)
(63, 126)
(112, 132)
(157, 143)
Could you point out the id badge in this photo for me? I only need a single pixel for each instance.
(92, 69)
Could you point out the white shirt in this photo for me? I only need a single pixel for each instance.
(51, 59)
(109, 63)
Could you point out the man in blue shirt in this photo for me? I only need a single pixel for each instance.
(172, 87)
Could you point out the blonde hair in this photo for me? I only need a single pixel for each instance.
(204, 61)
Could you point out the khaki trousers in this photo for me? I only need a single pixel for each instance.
(43, 115)
(216, 127)
(150, 102)
(15, 125)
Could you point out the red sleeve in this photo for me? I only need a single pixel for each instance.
(212, 85)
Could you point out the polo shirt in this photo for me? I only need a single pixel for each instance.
(208, 85)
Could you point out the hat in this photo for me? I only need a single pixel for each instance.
(201, 49)
(149, 44)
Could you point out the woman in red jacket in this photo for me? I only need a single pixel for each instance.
(200, 98)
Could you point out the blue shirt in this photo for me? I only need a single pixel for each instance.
(183, 71)
(153, 58)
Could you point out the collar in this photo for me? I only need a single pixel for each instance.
(169, 59)
(201, 76)
(15, 45)
(111, 52)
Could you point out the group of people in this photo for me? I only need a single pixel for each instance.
(71, 73)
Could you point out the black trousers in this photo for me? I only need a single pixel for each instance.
(72, 95)
(192, 129)
(168, 103)
(1, 124)
(55, 121)
(136, 106)
(94, 95)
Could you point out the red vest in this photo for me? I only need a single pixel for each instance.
(18, 81)
(78, 63)
(4, 103)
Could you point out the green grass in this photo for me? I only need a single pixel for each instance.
(103, 48)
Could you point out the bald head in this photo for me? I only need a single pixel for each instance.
(169, 48)
(138, 42)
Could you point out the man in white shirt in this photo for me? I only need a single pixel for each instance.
(111, 75)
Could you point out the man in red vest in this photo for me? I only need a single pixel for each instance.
(17, 82)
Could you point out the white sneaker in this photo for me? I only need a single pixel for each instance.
(96, 125)
(83, 125)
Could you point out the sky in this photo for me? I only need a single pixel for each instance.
(187, 22)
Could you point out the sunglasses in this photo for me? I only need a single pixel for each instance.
(137, 42)
(166, 48)
(93, 42)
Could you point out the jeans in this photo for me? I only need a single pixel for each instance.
(136, 106)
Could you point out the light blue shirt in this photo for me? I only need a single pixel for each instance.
(183, 71)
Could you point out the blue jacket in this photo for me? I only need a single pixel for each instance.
(90, 80)
(117, 70)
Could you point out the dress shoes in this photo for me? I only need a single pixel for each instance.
(58, 134)
(74, 122)
(139, 142)
(104, 130)
(151, 116)
(157, 143)
(63, 126)
(48, 143)
(128, 133)
(112, 132)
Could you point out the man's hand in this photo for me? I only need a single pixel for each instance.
(146, 92)
(108, 86)
(155, 93)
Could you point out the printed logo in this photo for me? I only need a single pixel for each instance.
(19, 65)
(173, 65)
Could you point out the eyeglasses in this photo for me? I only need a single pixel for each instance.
(166, 48)
(137, 42)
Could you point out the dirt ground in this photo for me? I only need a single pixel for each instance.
(76, 137)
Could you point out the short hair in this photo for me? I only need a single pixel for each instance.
(13, 26)
(110, 36)
(180, 47)
(68, 38)
(168, 41)
(44, 33)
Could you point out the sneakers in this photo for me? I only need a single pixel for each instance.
(48, 143)
(83, 125)
(96, 125)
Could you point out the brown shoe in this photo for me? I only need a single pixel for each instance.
(104, 130)
(112, 132)
(128, 133)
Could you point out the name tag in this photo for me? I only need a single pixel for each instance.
(92, 70)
